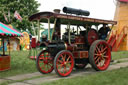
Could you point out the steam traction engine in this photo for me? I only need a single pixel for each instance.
(77, 47)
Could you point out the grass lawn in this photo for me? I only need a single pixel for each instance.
(114, 77)
(119, 55)
(21, 64)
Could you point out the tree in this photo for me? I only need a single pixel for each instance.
(24, 7)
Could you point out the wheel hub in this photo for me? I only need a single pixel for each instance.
(102, 55)
(46, 62)
(64, 63)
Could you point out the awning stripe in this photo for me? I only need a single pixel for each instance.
(6, 30)
(6, 27)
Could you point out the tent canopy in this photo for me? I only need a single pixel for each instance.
(123, 0)
(8, 31)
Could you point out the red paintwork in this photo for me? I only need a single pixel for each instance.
(32, 57)
(102, 50)
(80, 54)
(60, 64)
(70, 47)
(79, 40)
(92, 36)
(123, 0)
(115, 40)
(76, 54)
(4, 63)
(33, 43)
(47, 62)
(83, 54)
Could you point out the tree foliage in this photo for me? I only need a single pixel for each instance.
(24, 7)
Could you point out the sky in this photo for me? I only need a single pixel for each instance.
(101, 9)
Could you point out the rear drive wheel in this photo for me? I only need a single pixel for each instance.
(64, 63)
(99, 55)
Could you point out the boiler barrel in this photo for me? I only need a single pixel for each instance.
(76, 11)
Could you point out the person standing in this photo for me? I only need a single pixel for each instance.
(103, 32)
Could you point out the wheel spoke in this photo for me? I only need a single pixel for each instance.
(102, 62)
(96, 57)
(105, 56)
(102, 58)
(69, 62)
(60, 66)
(68, 65)
(41, 61)
(65, 69)
(104, 49)
(47, 67)
(101, 48)
(99, 64)
(50, 64)
(97, 54)
(68, 59)
(98, 49)
(104, 53)
(60, 61)
(43, 66)
(63, 57)
(97, 61)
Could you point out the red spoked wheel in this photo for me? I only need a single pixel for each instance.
(44, 62)
(64, 63)
(100, 55)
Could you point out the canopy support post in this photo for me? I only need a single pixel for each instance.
(33, 29)
(9, 46)
(77, 29)
(3, 46)
(49, 30)
(53, 29)
(69, 36)
(39, 30)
